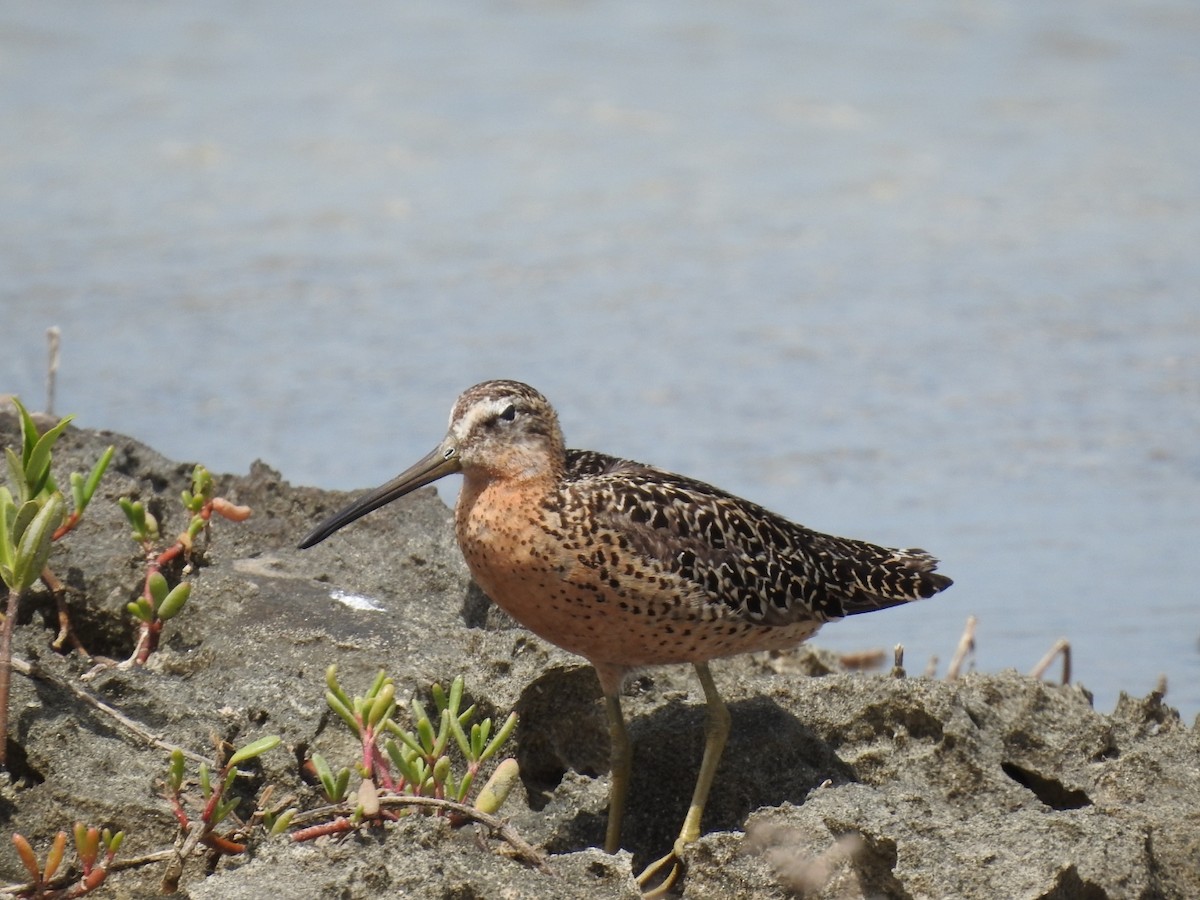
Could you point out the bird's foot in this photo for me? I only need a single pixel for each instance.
(662, 876)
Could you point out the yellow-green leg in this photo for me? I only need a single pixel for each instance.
(622, 763)
(664, 873)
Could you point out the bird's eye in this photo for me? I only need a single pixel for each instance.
(509, 413)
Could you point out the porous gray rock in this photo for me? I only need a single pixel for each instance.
(838, 786)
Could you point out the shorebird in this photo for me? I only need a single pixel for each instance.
(628, 566)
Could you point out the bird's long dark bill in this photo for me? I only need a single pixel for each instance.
(434, 466)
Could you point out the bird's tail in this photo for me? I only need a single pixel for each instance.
(895, 577)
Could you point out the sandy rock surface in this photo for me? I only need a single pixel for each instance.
(837, 786)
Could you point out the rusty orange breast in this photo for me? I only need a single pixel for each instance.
(523, 553)
(515, 555)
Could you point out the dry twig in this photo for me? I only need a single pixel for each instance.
(1061, 646)
(898, 661)
(53, 339)
(497, 826)
(966, 647)
(30, 670)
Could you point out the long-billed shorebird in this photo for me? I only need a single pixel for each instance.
(627, 566)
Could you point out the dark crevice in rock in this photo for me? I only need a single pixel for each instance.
(560, 728)
(875, 865)
(1070, 886)
(478, 611)
(1050, 791)
(19, 768)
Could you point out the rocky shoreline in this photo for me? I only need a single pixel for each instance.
(839, 785)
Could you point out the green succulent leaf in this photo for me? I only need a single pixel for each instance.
(202, 484)
(83, 844)
(460, 737)
(174, 601)
(441, 770)
(282, 821)
(440, 700)
(195, 526)
(377, 685)
(325, 776)
(408, 739)
(336, 704)
(134, 512)
(443, 735)
(224, 808)
(255, 748)
(175, 771)
(341, 785)
(25, 513)
(37, 461)
(77, 497)
(140, 609)
(8, 512)
(335, 786)
(479, 736)
(33, 547)
(145, 526)
(425, 733)
(205, 781)
(466, 715)
(16, 475)
(418, 712)
(459, 791)
(157, 583)
(93, 479)
(382, 705)
(422, 779)
(502, 735)
(29, 433)
(331, 682)
(493, 794)
(406, 763)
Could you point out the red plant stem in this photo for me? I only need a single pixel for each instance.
(368, 749)
(340, 825)
(148, 635)
(181, 815)
(165, 557)
(147, 641)
(223, 844)
(91, 881)
(209, 838)
(383, 772)
(211, 806)
(149, 632)
(67, 526)
(65, 631)
(375, 762)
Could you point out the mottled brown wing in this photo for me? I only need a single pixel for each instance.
(741, 556)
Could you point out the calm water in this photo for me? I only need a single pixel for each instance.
(923, 274)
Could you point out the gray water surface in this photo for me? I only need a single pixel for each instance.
(925, 274)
